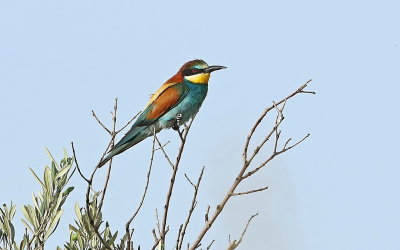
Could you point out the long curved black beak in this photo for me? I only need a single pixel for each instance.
(213, 68)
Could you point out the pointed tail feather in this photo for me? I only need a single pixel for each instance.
(114, 151)
(126, 142)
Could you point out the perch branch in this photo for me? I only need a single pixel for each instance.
(183, 135)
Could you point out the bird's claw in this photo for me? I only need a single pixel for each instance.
(178, 118)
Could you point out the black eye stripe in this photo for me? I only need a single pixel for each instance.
(192, 71)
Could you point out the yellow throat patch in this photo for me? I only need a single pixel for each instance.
(199, 78)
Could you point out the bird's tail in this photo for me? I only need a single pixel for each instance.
(129, 140)
(113, 152)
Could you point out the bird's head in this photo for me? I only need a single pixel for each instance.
(198, 71)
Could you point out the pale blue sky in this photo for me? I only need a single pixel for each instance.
(338, 190)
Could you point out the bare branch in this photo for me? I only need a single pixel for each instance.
(179, 237)
(260, 119)
(163, 146)
(191, 183)
(248, 160)
(77, 165)
(145, 189)
(158, 222)
(157, 240)
(272, 156)
(165, 153)
(234, 244)
(294, 145)
(206, 215)
(113, 134)
(101, 124)
(192, 207)
(251, 191)
(172, 182)
(209, 246)
(129, 122)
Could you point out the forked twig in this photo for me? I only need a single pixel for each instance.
(234, 244)
(247, 160)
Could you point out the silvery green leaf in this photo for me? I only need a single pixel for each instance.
(67, 191)
(72, 228)
(63, 171)
(53, 224)
(52, 158)
(12, 211)
(26, 213)
(37, 178)
(113, 238)
(78, 213)
(47, 179)
(27, 225)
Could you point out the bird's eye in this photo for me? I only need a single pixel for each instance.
(194, 71)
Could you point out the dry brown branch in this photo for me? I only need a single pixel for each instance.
(234, 244)
(157, 240)
(144, 192)
(183, 136)
(261, 118)
(273, 155)
(191, 209)
(209, 245)
(112, 141)
(179, 236)
(77, 165)
(251, 191)
(206, 215)
(101, 124)
(163, 146)
(248, 160)
(165, 153)
(129, 122)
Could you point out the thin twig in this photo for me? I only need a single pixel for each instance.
(192, 207)
(272, 156)
(158, 222)
(209, 246)
(129, 122)
(163, 146)
(234, 244)
(113, 134)
(206, 215)
(259, 120)
(77, 165)
(101, 124)
(172, 182)
(251, 191)
(165, 153)
(144, 191)
(246, 161)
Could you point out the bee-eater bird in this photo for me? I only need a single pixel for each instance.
(172, 105)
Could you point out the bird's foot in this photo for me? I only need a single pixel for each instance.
(176, 125)
(178, 118)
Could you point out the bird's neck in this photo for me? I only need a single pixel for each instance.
(194, 85)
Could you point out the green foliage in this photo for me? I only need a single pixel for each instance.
(43, 217)
(83, 236)
(7, 231)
